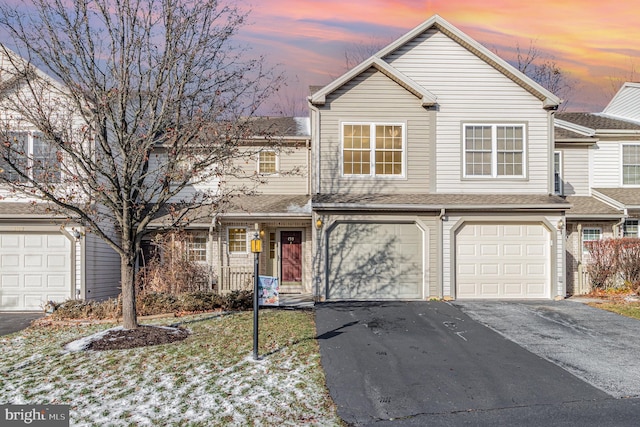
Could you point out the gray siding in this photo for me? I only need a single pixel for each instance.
(102, 269)
(470, 90)
(373, 97)
(606, 163)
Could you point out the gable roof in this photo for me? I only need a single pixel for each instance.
(590, 124)
(550, 101)
(426, 97)
(625, 103)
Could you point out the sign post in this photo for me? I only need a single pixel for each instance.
(256, 248)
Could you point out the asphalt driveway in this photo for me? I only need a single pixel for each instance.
(429, 363)
(14, 322)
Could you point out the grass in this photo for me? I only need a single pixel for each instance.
(209, 379)
(629, 309)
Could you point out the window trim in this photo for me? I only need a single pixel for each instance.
(276, 161)
(191, 249)
(246, 235)
(627, 144)
(30, 159)
(560, 191)
(494, 151)
(372, 150)
(582, 241)
(624, 227)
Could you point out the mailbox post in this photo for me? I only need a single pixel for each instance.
(256, 248)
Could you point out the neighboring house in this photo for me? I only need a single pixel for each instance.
(433, 176)
(597, 162)
(44, 256)
(270, 190)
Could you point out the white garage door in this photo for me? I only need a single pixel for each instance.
(34, 268)
(503, 261)
(375, 261)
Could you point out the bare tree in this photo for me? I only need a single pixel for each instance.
(356, 53)
(147, 99)
(545, 71)
(616, 82)
(290, 100)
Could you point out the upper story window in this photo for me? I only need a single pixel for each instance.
(373, 149)
(32, 155)
(197, 248)
(557, 172)
(631, 164)
(590, 235)
(267, 162)
(494, 151)
(237, 239)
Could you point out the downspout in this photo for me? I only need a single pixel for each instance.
(581, 283)
(615, 229)
(308, 153)
(315, 146)
(563, 236)
(440, 249)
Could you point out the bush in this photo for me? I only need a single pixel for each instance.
(613, 261)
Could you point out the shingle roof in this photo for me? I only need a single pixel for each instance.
(586, 206)
(625, 196)
(280, 126)
(561, 134)
(597, 121)
(438, 201)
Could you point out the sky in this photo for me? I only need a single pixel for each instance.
(594, 42)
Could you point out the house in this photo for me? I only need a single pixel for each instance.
(433, 176)
(264, 191)
(597, 163)
(44, 255)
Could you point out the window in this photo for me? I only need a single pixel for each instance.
(32, 155)
(630, 228)
(237, 238)
(267, 162)
(631, 165)
(197, 249)
(557, 172)
(370, 149)
(494, 151)
(590, 235)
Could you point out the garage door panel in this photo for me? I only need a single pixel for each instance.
(515, 268)
(35, 268)
(374, 261)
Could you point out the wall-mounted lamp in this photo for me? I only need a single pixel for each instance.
(262, 234)
(560, 225)
(318, 223)
(76, 234)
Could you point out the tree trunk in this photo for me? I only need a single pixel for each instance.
(127, 272)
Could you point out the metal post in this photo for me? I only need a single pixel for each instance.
(255, 301)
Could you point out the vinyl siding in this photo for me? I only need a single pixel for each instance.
(373, 97)
(102, 274)
(606, 162)
(575, 171)
(626, 104)
(470, 90)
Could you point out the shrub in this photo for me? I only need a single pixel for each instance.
(601, 266)
(612, 260)
(238, 301)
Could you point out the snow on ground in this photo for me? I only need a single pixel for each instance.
(157, 386)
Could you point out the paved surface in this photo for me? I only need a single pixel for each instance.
(14, 322)
(600, 347)
(428, 363)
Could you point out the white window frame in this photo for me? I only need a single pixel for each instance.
(28, 157)
(372, 150)
(193, 248)
(494, 150)
(583, 241)
(624, 227)
(560, 190)
(622, 165)
(246, 241)
(277, 162)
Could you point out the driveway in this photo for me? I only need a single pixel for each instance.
(429, 363)
(14, 322)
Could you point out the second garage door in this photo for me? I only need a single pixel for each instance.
(375, 261)
(503, 261)
(34, 268)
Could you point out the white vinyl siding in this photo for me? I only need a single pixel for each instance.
(625, 103)
(373, 97)
(606, 161)
(469, 90)
(574, 171)
(631, 164)
(494, 151)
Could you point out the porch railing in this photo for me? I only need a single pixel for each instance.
(235, 279)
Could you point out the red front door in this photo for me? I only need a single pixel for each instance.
(291, 252)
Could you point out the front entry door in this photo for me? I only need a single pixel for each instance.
(291, 258)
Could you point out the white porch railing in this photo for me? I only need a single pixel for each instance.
(235, 279)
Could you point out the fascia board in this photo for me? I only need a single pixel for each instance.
(573, 127)
(619, 93)
(419, 207)
(608, 200)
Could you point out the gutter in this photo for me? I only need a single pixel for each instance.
(440, 207)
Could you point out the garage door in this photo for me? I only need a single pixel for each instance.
(375, 261)
(503, 261)
(34, 268)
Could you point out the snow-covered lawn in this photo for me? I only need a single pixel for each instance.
(208, 379)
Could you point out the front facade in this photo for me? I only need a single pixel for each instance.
(433, 176)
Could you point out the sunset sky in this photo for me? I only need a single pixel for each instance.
(595, 42)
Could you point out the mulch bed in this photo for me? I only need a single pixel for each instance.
(142, 336)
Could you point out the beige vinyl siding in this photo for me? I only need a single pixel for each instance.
(292, 176)
(431, 263)
(606, 162)
(102, 274)
(373, 97)
(575, 171)
(469, 90)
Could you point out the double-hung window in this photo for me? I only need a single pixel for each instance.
(494, 151)
(630, 228)
(267, 163)
(590, 235)
(237, 239)
(31, 155)
(631, 164)
(373, 149)
(557, 173)
(197, 248)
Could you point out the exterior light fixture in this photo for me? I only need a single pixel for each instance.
(319, 224)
